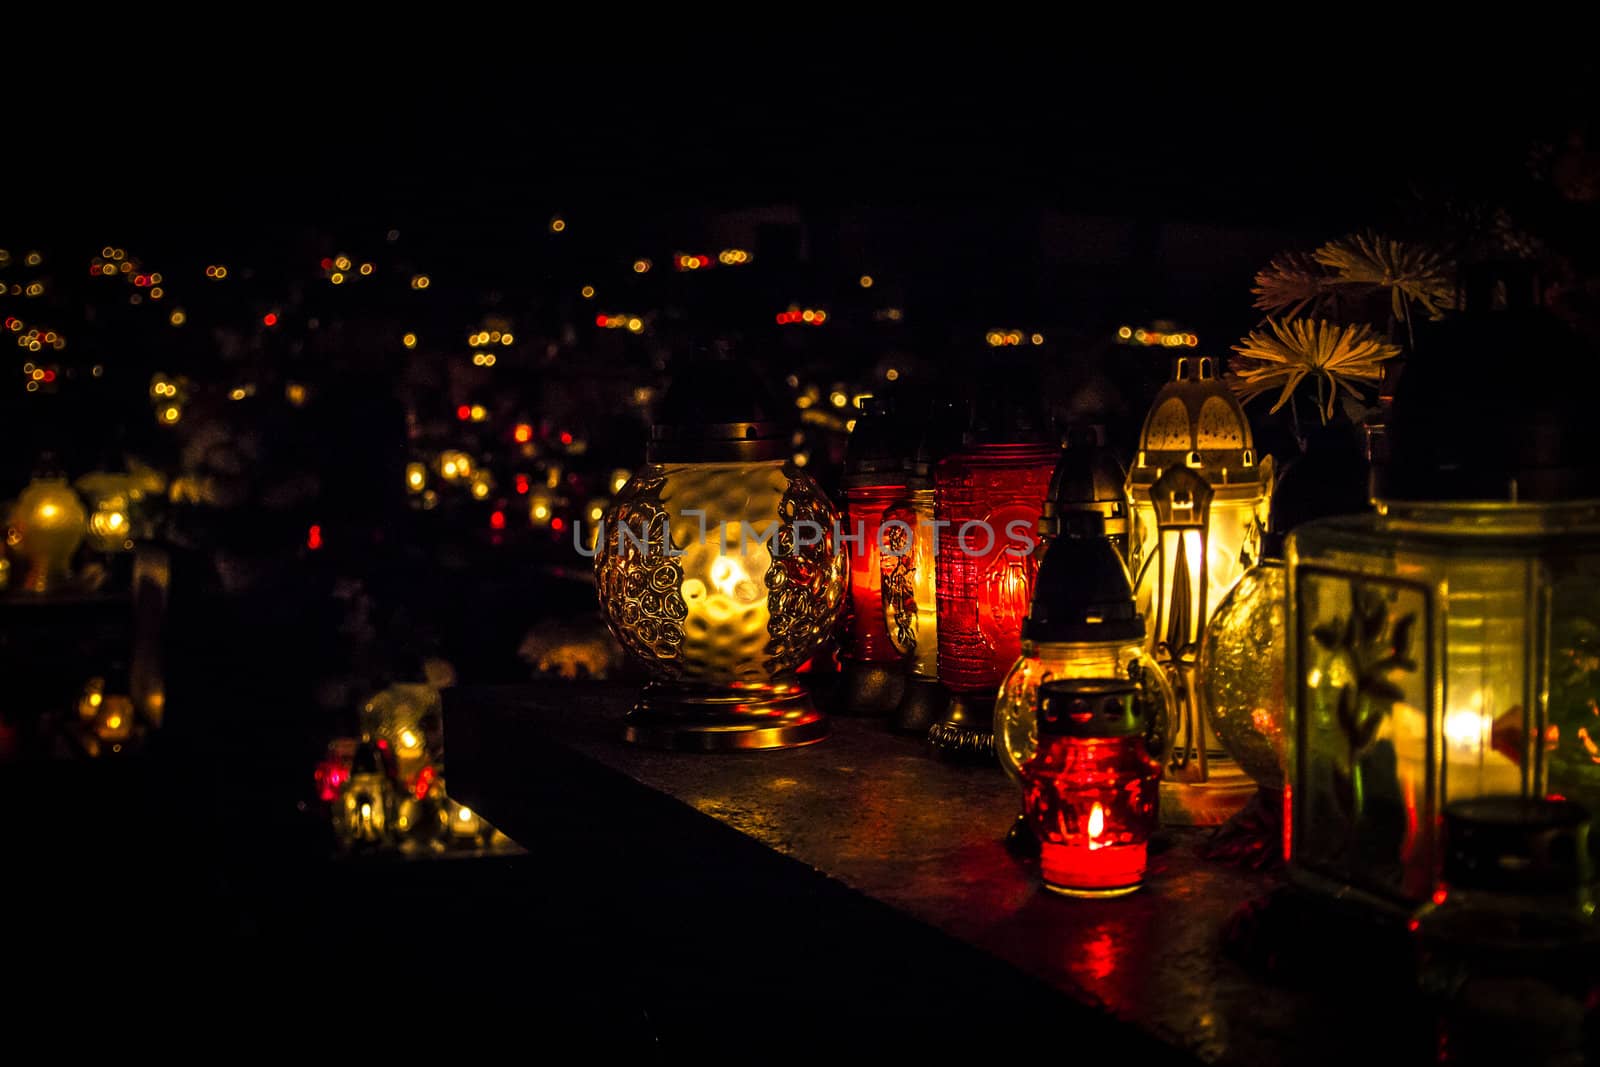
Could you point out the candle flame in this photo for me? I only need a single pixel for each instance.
(726, 574)
(1097, 821)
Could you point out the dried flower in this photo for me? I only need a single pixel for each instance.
(1291, 283)
(1408, 272)
(1291, 350)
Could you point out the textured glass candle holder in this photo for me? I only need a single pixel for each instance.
(721, 579)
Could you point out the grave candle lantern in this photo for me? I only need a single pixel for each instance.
(1090, 790)
(988, 499)
(873, 679)
(718, 569)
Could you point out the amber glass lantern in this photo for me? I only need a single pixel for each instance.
(48, 523)
(988, 499)
(1446, 647)
(1199, 501)
(873, 679)
(1090, 789)
(718, 569)
(1082, 624)
(909, 586)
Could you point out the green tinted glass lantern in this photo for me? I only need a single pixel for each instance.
(1448, 646)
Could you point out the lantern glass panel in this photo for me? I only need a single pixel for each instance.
(1438, 652)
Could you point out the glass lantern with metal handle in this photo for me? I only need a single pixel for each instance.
(1199, 500)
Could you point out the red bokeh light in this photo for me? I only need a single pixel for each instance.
(314, 538)
(270, 319)
(464, 412)
(497, 520)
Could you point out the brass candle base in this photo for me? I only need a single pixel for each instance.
(923, 703)
(868, 688)
(1212, 802)
(966, 733)
(736, 718)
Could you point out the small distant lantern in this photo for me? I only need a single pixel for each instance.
(109, 528)
(989, 496)
(114, 724)
(718, 571)
(48, 523)
(368, 797)
(873, 678)
(909, 579)
(407, 718)
(1199, 498)
(1446, 647)
(1090, 790)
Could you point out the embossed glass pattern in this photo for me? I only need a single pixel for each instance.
(720, 573)
(985, 575)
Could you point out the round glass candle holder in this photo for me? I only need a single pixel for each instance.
(1240, 672)
(721, 579)
(1042, 662)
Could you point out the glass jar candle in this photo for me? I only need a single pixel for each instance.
(1439, 652)
(1090, 791)
(874, 477)
(988, 498)
(718, 569)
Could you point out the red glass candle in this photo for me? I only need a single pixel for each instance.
(1090, 791)
(874, 478)
(988, 498)
(869, 636)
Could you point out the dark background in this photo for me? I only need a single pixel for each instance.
(984, 186)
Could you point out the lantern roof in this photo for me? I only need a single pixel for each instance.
(1196, 422)
(1087, 477)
